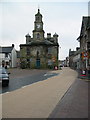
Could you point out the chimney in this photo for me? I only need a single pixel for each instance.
(55, 36)
(77, 48)
(28, 38)
(12, 45)
(48, 35)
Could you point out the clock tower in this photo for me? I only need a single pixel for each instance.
(39, 51)
(38, 32)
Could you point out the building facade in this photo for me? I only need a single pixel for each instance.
(74, 59)
(84, 40)
(8, 57)
(39, 52)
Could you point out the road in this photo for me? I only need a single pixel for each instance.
(38, 100)
(74, 103)
(60, 96)
(21, 78)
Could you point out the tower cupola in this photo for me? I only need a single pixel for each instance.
(28, 38)
(38, 32)
(38, 16)
(55, 36)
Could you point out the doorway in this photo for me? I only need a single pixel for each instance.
(37, 63)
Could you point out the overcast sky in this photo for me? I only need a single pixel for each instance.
(17, 19)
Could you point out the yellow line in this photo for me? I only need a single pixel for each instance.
(84, 79)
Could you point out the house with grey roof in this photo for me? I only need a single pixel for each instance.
(74, 58)
(39, 51)
(84, 40)
(8, 56)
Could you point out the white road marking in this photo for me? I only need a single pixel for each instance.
(6, 93)
(23, 86)
(48, 74)
(45, 74)
(26, 86)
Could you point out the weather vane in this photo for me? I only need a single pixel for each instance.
(38, 6)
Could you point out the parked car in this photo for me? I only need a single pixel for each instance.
(61, 65)
(4, 76)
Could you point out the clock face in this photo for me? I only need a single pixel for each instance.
(38, 25)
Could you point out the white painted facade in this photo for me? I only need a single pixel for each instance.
(14, 58)
(11, 58)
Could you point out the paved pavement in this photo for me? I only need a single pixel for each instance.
(38, 100)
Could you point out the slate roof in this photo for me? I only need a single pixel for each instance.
(55, 34)
(28, 35)
(37, 43)
(71, 53)
(6, 49)
(85, 25)
(87, 21)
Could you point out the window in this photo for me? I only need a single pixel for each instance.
(49, 50)
(28, 60)
(7, 63)
(38, 35)
(28, 51)
(6, 54)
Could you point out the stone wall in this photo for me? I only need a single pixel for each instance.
(40, 53)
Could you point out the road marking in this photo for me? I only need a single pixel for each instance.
(23, 86)
(26, 86)
(45, 74)
(48, 74)
(5, 93)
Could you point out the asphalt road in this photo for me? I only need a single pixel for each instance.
(74, 103)
(38, 100)
(24, 80)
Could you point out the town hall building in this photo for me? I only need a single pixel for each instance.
(39, 52)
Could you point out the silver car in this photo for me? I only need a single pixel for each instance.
(4, 77)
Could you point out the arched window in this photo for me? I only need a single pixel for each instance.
(28, 51)
(37, 54)
(38, 35)
(49, 50)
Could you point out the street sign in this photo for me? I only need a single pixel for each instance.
(53, 59)
(84, 55)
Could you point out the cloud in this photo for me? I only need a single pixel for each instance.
(44, 1)
(17, 20)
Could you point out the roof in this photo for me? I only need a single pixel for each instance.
(71, 53)
(27, 35)
(55, 34)
(85, 25)
(6, 49)
(87, 21)
(38, 14)
(37, 43)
